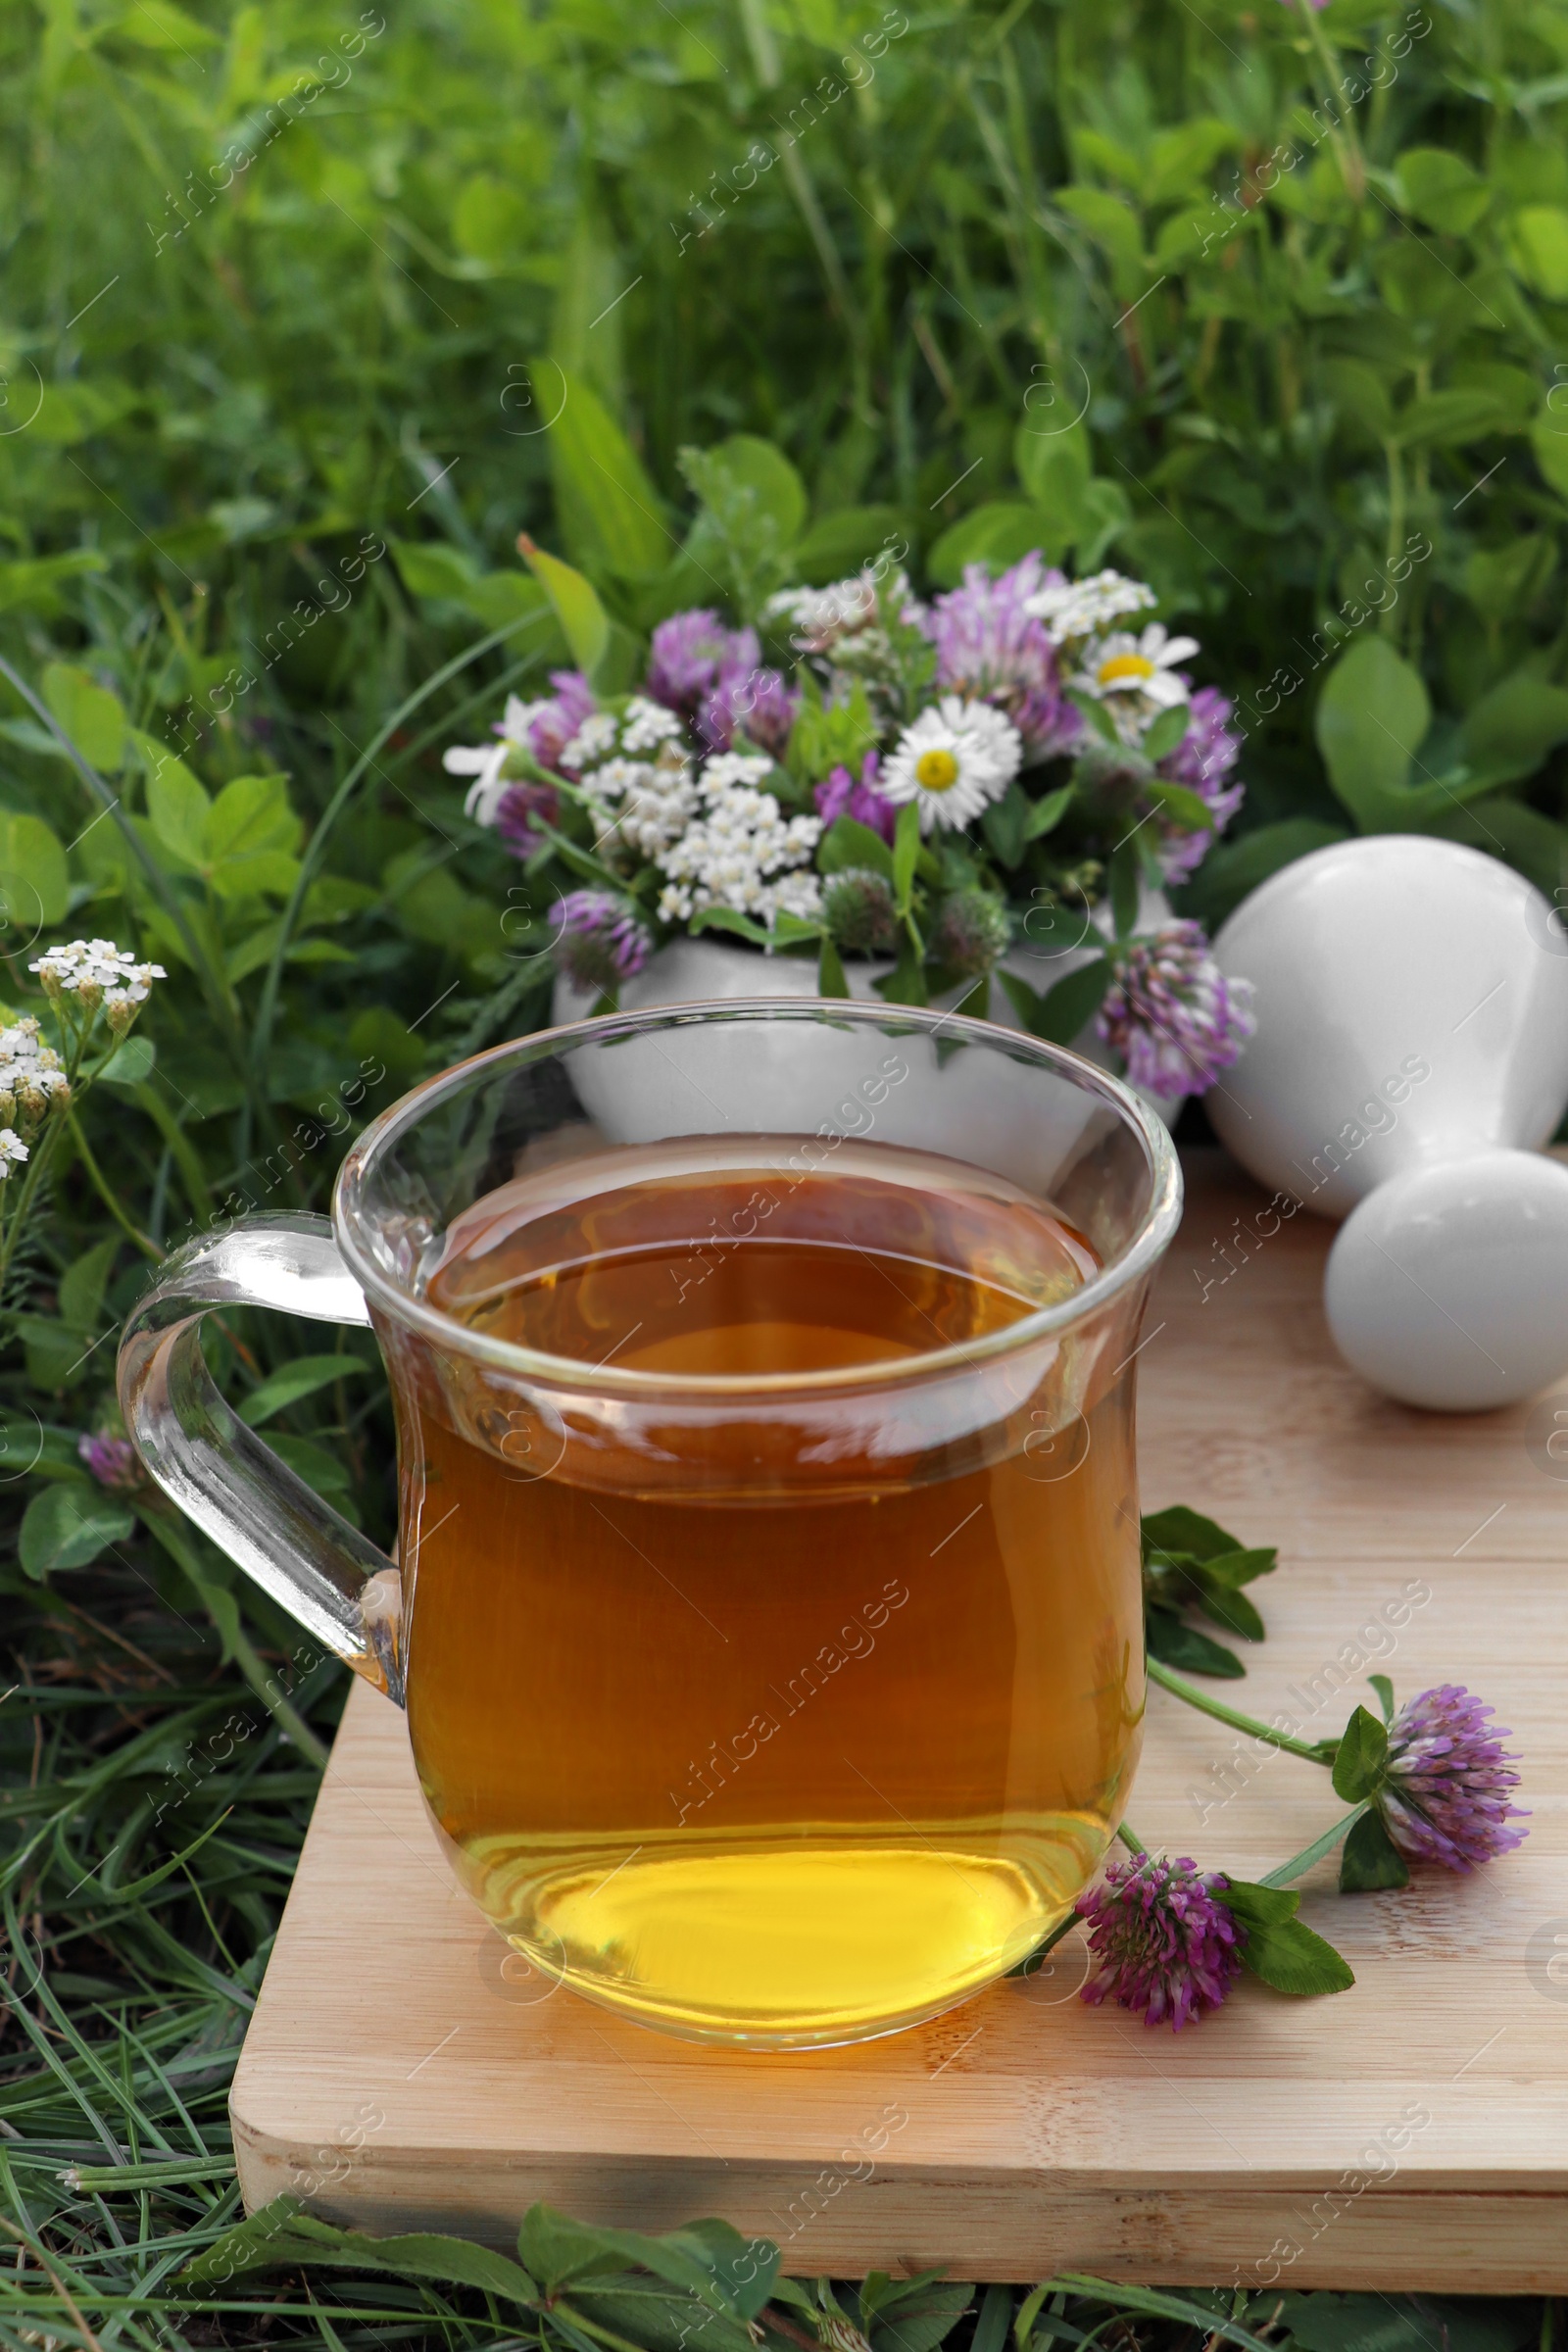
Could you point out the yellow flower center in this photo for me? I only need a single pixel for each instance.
(1122, 667)
(936, 771)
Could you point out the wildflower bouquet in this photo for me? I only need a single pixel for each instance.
(965, 792)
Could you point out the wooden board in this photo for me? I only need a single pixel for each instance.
(1412, 2133)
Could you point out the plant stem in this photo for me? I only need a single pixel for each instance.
(1343, 137)
(1319, 1752)
(1133, 1844)
(144, 1242)
(1304, 1861)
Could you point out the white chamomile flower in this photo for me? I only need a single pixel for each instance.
(1136, 676)
(952, 761)
(1077, 609)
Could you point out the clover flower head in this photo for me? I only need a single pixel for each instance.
(90, 972)
(113, 1460)
(858, 911)
(1166, 1946)
(602, 940)
(689, 653)
(1201, 760)
(1172, 1015)
(840, 795)
(953, 761)
(1073, 610)
(971, 933)
(1447, 1796)
(991, 646)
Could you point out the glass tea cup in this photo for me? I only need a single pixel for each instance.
(767, 1610)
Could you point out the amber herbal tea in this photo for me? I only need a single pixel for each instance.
(813, 1705)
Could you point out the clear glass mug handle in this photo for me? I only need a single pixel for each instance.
(334, 1579)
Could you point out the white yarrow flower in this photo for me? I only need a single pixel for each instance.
(595, 740)
(646, 724)
(1083, 608)
(13, 1152)
(88, 969)
(741, 851)
(955, 758)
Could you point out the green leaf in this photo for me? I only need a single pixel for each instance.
(1258, 1906)
(82, 1287)
(1240, 1567)
(841, 542)
(831, 979)
(295, 1381)
(1179, 802)
(1234, 868)
(34, 579)
(997, 535)
(1053, 465)
(1126, 894)
(428, 568)
(1360, 1758)
(1384, 1691)
(176, 805)
(1508, 733)
(129, 1064)
(88, 714)
(1057, 1014)
(730, 918)
(1448, 420)
(1047, 813)
(1372, 714)
(1442, 190)
(284, 2234)
(1189, 1651)
(762, 475)
(1285, 1954)
(1180, 1529)
(847, 842)
(250, 837)
(1168, 731)
(905, 853)
(1536, 244)
(583, 621)
(59, 1355)
(1378, 2323)
(1004, 822)
(34, 879)
(1370, 1859)
(1227, 1607)
(68, 1526)
(611, 510)
(1361, 397)
(1548, 438)
(707, 2258)
(922, 2318)
(1113, 225)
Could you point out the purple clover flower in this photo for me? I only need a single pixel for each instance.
(1201, 760)
(688, 654)
(1167, 1946)
(556, 722)
(517, 813)
(990, 648)
(756, 703)
(602, 940)
(839, 794)
(113, 1461)
(1445, 1798)
(1172, 1015)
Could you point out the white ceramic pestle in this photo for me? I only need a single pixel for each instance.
(1410, 1059)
